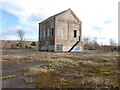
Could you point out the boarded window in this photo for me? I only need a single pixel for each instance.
(47, 43)
(62, 32)
(41, 43)
(44, 33)
(51, 42)
(75, 33)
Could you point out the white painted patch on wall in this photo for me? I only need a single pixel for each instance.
(76, 48)
(66, 48)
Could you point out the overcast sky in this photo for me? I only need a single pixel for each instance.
(99, 17)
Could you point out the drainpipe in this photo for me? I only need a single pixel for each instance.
(79, 38)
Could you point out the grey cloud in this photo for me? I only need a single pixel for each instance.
(35, 17)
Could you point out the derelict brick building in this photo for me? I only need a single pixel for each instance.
(61, 32)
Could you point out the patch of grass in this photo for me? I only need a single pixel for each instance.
(12, 76)
(13, 61)
(63, 80)
(30, 47)
(6, 59)
(22, 70)
(108, 70)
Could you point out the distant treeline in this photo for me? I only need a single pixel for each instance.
(101, 47)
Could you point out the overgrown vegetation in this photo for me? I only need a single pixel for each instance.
(101, 47)
(33, 43)
(87, 69)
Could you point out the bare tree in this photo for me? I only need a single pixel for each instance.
(112, 42)
(21, 35)
(94, 41)
(86, 40)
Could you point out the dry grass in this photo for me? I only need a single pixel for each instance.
(64, 70)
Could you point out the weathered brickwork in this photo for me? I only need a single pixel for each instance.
(60, 32)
